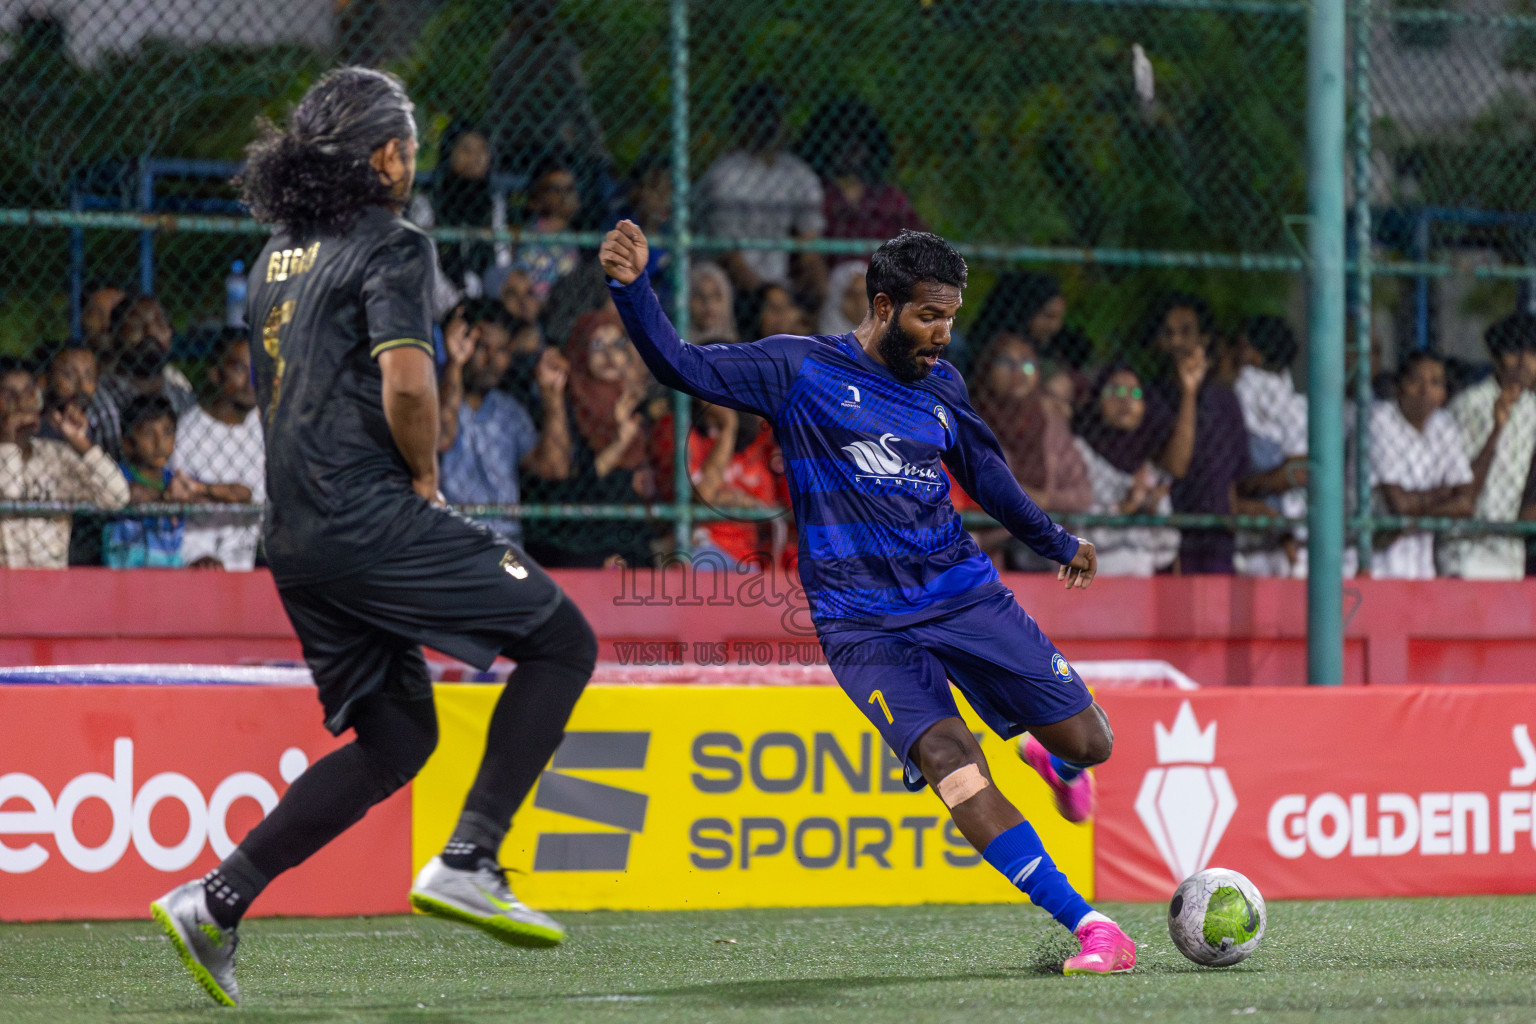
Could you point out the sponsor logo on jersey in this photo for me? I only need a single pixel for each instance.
(514, 568)
(943, 416)
(852, 401)
(877, 461)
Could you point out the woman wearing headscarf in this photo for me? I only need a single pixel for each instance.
(1120, 436)
(608, 452)
(846, 301)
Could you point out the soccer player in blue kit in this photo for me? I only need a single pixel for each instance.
(902, 597)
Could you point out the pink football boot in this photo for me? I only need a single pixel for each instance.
(1106, 950)
(1075, 800)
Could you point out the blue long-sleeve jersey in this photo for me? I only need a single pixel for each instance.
(881, 545)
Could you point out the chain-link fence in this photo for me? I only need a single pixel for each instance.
(1125, 177)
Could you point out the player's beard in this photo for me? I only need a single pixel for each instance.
(899, 350)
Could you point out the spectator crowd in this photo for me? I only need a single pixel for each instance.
(544, 401)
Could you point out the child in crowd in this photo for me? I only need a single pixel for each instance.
(149, 440)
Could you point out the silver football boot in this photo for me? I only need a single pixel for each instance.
(207, 949)
(481, 897)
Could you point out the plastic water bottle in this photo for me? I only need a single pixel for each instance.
(234, 295)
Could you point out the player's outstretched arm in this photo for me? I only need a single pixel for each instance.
(978, 463)
(750, 377)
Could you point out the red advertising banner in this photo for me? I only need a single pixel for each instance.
(110, 795)
(1402, 791)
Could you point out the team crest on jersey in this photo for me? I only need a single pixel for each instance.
(943, 416)
(1060, 669)
(517, 570)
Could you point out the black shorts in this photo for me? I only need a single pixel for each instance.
(456, 588)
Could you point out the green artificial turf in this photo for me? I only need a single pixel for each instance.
(1458, 960)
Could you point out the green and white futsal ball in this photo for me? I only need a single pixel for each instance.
(1216, 918)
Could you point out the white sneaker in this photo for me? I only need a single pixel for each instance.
(481, 897)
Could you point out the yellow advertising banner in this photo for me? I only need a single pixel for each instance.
(690, 797)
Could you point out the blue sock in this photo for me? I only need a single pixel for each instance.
(1021, 857)
(1066, 769)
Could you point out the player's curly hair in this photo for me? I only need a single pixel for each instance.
(315, 175)
(909, 258)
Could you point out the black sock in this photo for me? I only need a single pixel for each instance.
(231, 887)
(463, 855)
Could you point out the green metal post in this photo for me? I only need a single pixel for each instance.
(1361, 53)
(1325, 323)
(681, 241)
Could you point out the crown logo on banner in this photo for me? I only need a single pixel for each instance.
(1185, 802)
(1186, 742)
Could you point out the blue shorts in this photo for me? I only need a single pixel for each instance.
(993, 651)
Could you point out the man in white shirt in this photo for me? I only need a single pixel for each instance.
(219, 445)
(39, 469)
(1418, 466)
(1497, 417)
(763, 191)
(1275, 414)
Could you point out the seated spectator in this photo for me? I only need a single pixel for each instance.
(219, 449)
(518, 296)
(487, 437)
(770, 310)
(149, 440)
(1497, 417)
(461, 196)
(33, 468)
(1418, 467)
(1275, 414)
(1029, 306)
(847, 300)
(553, 203)
(136, 365)
(1207, 447)
(1119, 437)
(1032, 426)
(849, 149)
(604, 394)
(96, 318)
(711, 305)
(759, 191)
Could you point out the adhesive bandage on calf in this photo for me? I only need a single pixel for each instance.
(961, 784)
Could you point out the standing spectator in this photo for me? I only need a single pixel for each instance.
(219, 449)
(711, 305)
(96, 317)
(537, 101)
(1119, 436)
(763, 191)
(848, 147)
(136, 366)
(1419, 466)
(553, 203)
(847, 300)
(461, 196)
(1275, 414)
(1207, 449)
(33, 468)
(1497, 417)
(487, 436)
(1025, 304)
(69, 378)
(149, 440)
(608, 451)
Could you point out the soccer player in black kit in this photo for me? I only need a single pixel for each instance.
(368, 562)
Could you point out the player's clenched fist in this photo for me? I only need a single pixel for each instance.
(624, 252)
